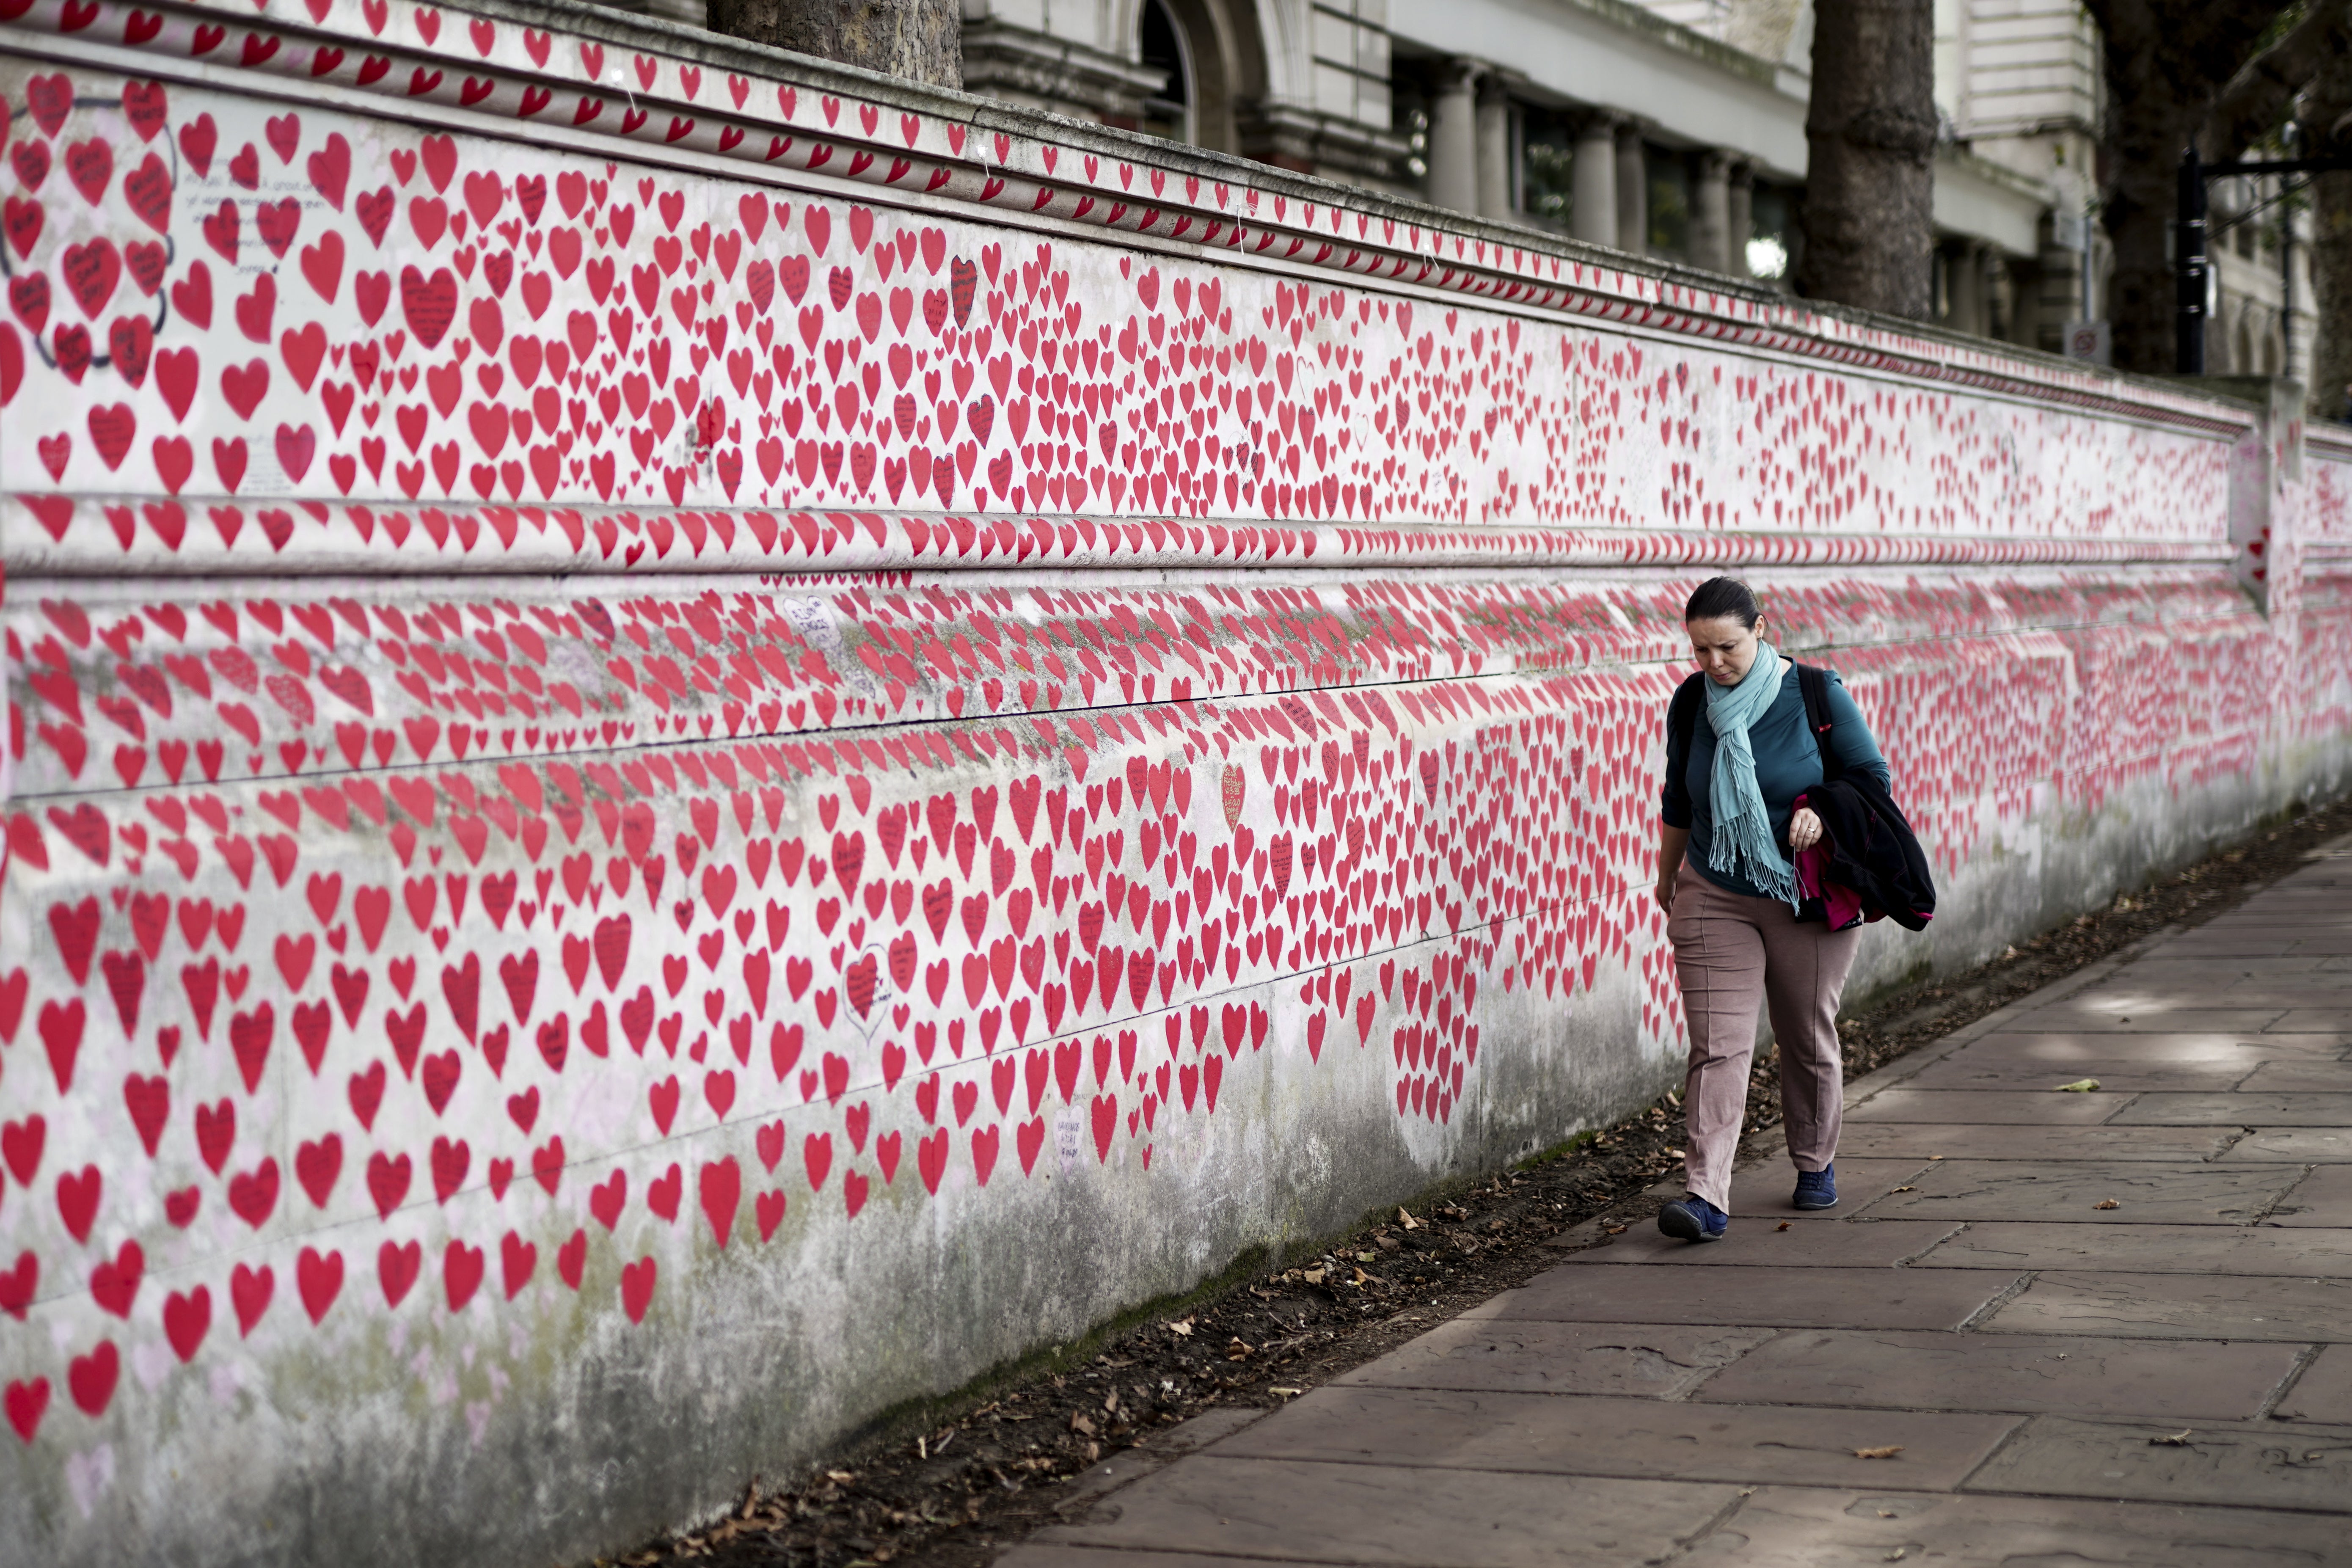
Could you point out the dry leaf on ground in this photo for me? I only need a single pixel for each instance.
(1886, 1453)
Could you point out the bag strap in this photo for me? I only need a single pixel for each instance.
(1682, 713)
(1813, 683)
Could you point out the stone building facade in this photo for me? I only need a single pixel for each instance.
(1669, 128)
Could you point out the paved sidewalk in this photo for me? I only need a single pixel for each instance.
(2044, 1328)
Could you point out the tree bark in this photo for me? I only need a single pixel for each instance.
(2331, 286)
(2167, 61)
(1869, 212)
(2327, 115)
(919, 39)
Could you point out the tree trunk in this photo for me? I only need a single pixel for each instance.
(1871, 135)
(2137, 211)
(919, 40)
(2330, 395)
(2328, 121)
(2167, 61)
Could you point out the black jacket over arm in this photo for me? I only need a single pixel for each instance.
(1873, 851)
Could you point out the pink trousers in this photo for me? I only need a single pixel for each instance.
(1732, 955)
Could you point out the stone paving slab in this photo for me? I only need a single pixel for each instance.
(2146, 1191)
(2117, 1075)
(2324, 1392)
(2082, 1020)
(1989, 1108)
(2250, 1466)
(2179, 1306)
(1762, 1191)
(2311, 991)
(1762, 1296)
(2149, 1249)
(2081, 1374)
(2227, 944)
(2305, 1077)
(1292, 1511)
(2313, 1021)
(1865, 1244)
(2147, 999)
(1651, 1360)
(2298, 1145)
(2063, 1047)
(1790, 1527)
(1640, 1438)
(2237, 1110)
(2177, 967)
(2321, 1200)
(1963, 1141)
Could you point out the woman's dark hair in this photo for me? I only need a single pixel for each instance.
(1719, 596)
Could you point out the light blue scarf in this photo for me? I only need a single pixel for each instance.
(1741, 843)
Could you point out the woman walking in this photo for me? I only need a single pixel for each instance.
(1740, 752)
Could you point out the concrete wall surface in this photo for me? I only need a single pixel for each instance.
(696, 743)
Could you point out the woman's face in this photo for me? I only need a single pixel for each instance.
(1724, 649)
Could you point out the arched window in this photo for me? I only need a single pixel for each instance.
(1213, 65)
(1165, 48)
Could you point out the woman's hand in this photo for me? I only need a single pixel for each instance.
(1804, 830)
(1664, 893)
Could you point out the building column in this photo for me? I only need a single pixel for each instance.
(1742, 227)
(1453, 137)
(1710, 230)
(1633, 191)
(1495, 150)
(1593, 217)
(1967, 275)
(2057, 298)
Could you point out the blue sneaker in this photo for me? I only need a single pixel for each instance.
(1694, 1219)
(1816, 1189)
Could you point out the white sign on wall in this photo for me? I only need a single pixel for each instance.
(2090, 340)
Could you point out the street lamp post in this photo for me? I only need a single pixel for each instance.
(2192, 269)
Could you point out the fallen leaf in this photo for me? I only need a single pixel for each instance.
(1886, 1453)
(2107, 1203)
(1782, 1225)
(1615, 1230)
(2177, 1440)
(1287, 1393)
(1237, 1351)
(1406, 1220)
(2080, 1086)
(1081, 1425)
(1906, 1189)
(1182, 1325)
(1312, 1276)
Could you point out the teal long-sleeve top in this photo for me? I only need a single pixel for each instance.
(1787, 763)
